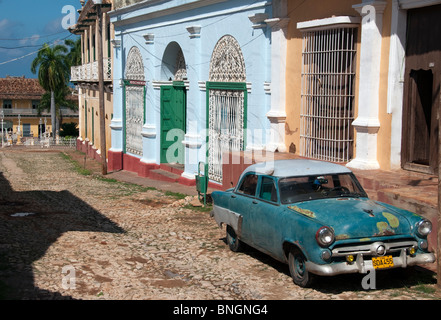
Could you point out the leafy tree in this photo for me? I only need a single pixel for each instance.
(69, 130)
(53, 73)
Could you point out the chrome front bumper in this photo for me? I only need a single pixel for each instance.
(360, 265)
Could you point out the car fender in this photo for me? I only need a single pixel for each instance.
(297, 232)
(225, 216)
(288, 244)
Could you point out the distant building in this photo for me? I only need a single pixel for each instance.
(19, 100)
(85, 77)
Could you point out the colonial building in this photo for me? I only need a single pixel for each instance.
(354, 82)
(363, 82)
(85, 77)
(19, 100)
(194, 80)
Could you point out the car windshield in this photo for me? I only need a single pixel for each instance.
(295, 189)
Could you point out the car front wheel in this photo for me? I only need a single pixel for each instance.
(297, 269)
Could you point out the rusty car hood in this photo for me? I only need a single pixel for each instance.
(354, 217)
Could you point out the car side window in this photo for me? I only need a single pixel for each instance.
(268, 191)
(248, 185)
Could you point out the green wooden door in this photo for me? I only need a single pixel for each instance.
(93, 126)
(173, 106)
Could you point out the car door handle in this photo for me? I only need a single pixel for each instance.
(233, 196)
(255, 202)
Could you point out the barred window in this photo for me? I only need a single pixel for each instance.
(328, 75)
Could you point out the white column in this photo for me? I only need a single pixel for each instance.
(277, 113)
(367, 123)
(195, 106)
(395, 84)
(116, 124)
(80, 113)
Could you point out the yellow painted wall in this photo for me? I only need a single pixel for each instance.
(22, 104)
(27, 117)
(92, 112)
(19, 104)
(384, 134)
(300, 11)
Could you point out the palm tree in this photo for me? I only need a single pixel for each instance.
(60, 99)
(73, 58)
(53, 73)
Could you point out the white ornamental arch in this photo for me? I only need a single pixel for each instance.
(134, 65)
(227, 63)
(226, 103)
(181, 68)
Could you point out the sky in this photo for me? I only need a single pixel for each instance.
(25, 25)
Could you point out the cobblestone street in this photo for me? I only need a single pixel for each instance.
(123, 241)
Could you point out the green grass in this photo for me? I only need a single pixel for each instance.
(207, 208)
(79, 169)
(176, 195)
(424, 289)
(126, 188)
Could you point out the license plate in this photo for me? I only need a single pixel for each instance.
(382, 262)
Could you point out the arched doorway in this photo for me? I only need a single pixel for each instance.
(227, 98)
(134, 104)
(173, 105)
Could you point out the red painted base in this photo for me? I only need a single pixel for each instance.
(119, 161)
(88, 149)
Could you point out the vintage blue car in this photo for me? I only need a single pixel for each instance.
(316, 217)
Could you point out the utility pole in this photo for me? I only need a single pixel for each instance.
(2, 116)
(438, 229)
(101, 87)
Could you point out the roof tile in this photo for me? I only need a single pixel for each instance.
(20, 88)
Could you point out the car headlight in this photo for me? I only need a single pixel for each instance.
(324, 237)
(424, 227)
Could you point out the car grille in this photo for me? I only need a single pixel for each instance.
(370, 248)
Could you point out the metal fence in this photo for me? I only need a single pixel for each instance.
(35, 142)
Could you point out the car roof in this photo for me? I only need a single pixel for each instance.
(295, 168)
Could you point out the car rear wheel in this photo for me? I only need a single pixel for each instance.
(233, 241)
(297, 268)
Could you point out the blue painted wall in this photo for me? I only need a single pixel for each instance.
(168, 21)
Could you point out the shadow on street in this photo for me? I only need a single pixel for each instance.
(30, 222)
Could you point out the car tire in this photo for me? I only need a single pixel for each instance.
(233, 241)
(297, 269)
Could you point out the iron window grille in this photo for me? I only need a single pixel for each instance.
(327, 94)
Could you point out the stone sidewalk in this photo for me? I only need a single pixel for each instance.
(131, 177)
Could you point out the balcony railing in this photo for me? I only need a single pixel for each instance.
(34, 112)
(89, 72)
